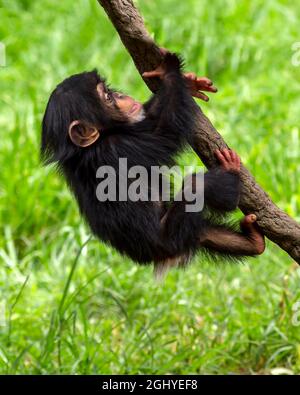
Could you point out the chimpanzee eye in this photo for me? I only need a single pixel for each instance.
(108, 96)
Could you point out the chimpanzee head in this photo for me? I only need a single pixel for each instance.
(79, 110)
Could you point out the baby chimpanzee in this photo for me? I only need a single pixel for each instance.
(87, 126)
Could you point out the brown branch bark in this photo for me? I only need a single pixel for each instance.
(275, 224)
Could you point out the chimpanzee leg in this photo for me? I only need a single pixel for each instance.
(184, 232)
(223, 240)
(182, 229)
(215, 239)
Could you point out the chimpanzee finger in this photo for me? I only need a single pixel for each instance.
(212, 89)
(206, 88)
(226, 154)
(200, 95)
(205, 81)
(235, 157)
(238, 160)
(232, 155)
(191, 76)
(219, 154)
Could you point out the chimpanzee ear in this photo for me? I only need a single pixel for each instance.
(83, 135)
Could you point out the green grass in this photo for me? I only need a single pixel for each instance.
(70, 307)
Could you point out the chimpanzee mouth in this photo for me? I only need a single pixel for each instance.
(135, 107)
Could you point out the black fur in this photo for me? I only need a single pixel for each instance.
(133, 228)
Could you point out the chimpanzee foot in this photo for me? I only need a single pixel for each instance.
(251, 229)
(229, 160)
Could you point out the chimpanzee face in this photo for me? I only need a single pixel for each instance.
(131, 108)
(80, 109)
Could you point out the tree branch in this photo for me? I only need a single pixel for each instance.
(274, 223)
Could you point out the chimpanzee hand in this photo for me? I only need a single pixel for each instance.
(195, 84)
(198, 84)
(229, 160)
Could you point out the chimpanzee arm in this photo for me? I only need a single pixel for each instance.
(171, 109)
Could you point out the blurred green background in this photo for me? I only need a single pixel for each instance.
(66, 307)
